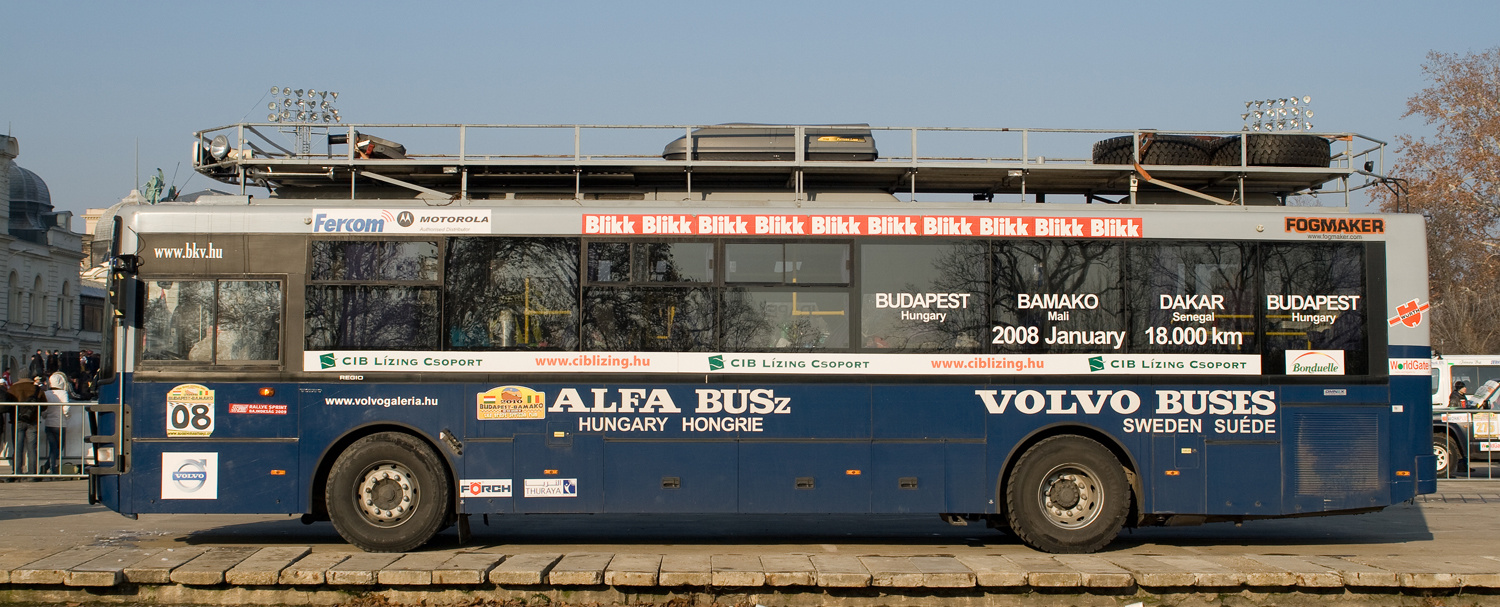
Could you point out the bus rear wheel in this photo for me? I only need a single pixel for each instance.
(388, 493)
(1067, 495)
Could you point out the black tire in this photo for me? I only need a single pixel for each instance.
(1067, 495)
(388, 492)
(1449, 457)
(1158, 149)
(1267, 150)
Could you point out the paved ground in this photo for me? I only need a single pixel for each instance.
(58, 549)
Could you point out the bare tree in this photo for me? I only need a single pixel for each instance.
(1454, 181)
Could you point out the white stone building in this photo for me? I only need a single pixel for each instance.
(47, 306)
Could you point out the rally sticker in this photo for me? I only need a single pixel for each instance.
(190, 411)
(258, 408)
(512, 402)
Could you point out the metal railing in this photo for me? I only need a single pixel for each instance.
(34, 447)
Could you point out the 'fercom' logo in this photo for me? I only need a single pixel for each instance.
(327, 360)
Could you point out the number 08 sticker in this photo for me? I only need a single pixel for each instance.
(190, 411)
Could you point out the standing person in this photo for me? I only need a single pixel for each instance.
(54, 362)
(1458, 399)
(25, 450)
(54, 419)
(7, 422)
(38, 365)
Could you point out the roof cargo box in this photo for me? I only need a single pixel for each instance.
(370, 146)
(742, 141)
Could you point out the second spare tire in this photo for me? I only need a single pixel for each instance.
(1155, 149)
(1272, 150)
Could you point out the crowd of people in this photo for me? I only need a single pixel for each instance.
(32, 435)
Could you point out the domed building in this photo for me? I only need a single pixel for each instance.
(45, 300)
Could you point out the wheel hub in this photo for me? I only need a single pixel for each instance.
(387, 494)
(1071, 496)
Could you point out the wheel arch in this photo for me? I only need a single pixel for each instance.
(318, 507)
(1123, 455)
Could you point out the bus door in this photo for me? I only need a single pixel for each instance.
(560, 470)
(1177, 461)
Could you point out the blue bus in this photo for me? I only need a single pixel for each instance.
(746, 324)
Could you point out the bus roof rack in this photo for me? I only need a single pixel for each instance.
(464, 161)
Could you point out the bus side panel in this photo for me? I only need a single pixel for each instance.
(908, 477)
(676, 476)
(1411, 426)
(487, 460)
(215, 477)
(929, 450)
(804, 477)
(1244, 477)
(1337, 458)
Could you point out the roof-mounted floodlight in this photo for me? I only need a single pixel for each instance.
(1270, 115)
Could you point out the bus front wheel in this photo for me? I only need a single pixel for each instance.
(387, 493)
(1067, 495)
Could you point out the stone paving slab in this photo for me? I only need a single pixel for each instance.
(686, 570)
(633, 570)
(54, 569)
(108, 569)
(1095, 571)
(1152, 572)
(892, 572)
(311, 570)
(466, 568)
(1307, 574)
(524, 569)
(412, 569)
(789, 570)
(1206, 573)
(361, 569)
(156, 568)
(995, 571)
(733, 570)
(579, 569)
(840, 571)
(264, 567)
(1256, 574)
(943, 572)
(11, 559)
(1044, 571)
(1356, 574)
(208, 568)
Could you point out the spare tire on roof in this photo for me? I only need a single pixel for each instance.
(1155, 149)
(1273, 150)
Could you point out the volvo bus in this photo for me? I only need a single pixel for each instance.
(393, 342)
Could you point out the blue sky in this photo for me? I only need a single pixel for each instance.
(86, 81)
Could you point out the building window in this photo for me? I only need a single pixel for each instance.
(13, 307)
(64, 319)
(38, 300)
(93, 314)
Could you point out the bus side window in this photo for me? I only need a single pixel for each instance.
(505, 293)
(1315, 300)
(217, 322)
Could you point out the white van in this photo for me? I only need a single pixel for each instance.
(1473, 371)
